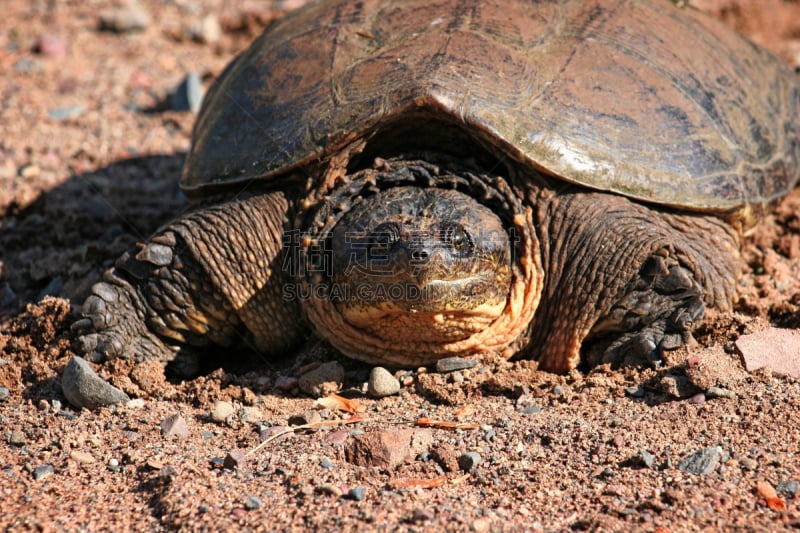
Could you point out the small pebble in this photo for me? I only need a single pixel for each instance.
(17, 438)
(382, 383)
(81, 457)
(167, 473)
(322, 380)
(174, 426)
(330, 489)
(251, 415)
(748, 463)
(4, 394)
(338, 437)
(530, 410)
(252, 503)
(356, 493)
(635, 391)
(558, 390)
(481, 525)
(456, 377)
(305, 418)
(326, 463)
(451, 364)
(701, 462)
(126, 18)
(220, 411)
(718, 392)
(113, 463)
(422, 515)
(41, 472)
(65, 113)
(645, 458)
(235, 460)
(25, 66)
(697, 398)
(206, 30)
(268, 433)
(188, 95)
(51, 45)
(468, 461)
(285, 383)
(29, 171)
(787, 488)
(137, 403)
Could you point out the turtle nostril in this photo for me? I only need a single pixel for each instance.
(420, 255)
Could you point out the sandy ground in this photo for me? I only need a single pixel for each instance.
(90, 154)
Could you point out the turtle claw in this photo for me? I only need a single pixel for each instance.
(657, 315)
(637, 347)
(110, 326)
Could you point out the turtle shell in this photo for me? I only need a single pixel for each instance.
(641, 98)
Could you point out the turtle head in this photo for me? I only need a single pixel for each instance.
(427, 263)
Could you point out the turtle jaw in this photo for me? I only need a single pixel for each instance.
(439, 311)
(429, 263)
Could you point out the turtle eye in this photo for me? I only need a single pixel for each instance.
(383, 237)
(459, 239)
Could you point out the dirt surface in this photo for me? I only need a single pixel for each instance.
(89, 161)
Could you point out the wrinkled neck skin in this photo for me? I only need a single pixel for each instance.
(408, 262)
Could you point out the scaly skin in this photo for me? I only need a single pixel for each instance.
(631, 279)
(212, 277)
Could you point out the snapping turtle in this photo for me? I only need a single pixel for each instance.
(562, 180)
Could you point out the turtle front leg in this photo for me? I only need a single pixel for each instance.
(212, 277)
(625, 282)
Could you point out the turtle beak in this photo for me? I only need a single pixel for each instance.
(411, 261)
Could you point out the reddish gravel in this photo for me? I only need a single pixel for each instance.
(89, 161)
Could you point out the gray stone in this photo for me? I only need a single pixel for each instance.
(356, 493)
(65, 113)
(701, 462)
(17, 438)
(84, 388)
(252, 503)
(382, 383)
(41, 472)
(188, 95)
(4, 394)
(451, 364)
(787, 488)
(645, 458)
(468, 461)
